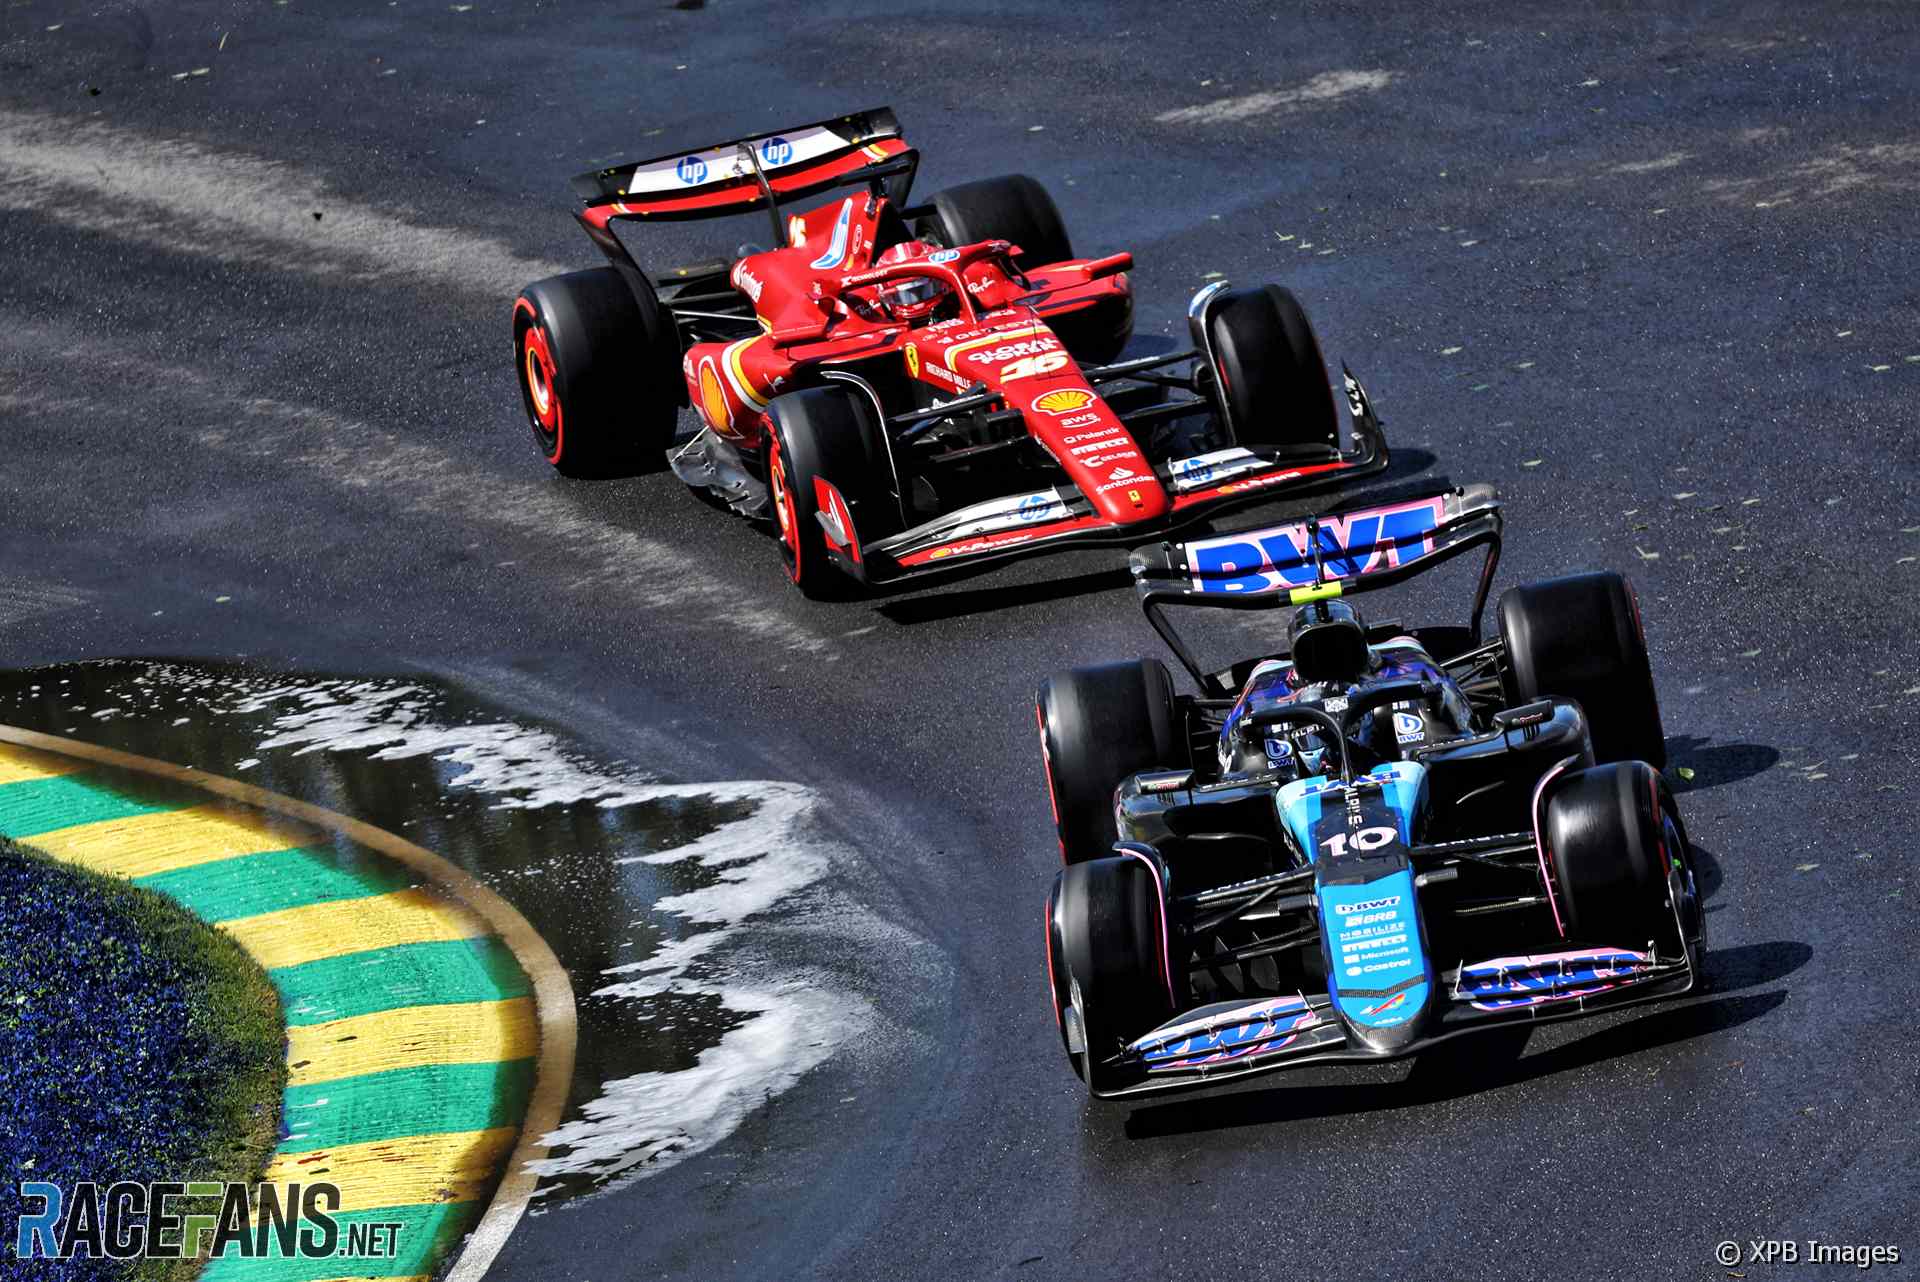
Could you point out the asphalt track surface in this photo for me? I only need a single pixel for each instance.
(1651, 273)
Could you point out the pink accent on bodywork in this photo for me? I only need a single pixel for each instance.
(1166, 946)
(1053, 987)
(1571, 954)
(1246, 1052)
(1540, 842)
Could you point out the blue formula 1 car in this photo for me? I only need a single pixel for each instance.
(1355, 849)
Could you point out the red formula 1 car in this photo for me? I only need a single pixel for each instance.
(903, 388)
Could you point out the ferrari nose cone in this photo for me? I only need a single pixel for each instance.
(1098, 453)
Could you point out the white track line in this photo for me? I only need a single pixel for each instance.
(184, 197)
(1328, 86)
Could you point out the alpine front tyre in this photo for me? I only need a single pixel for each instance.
(1109, 964)
(1622, 871)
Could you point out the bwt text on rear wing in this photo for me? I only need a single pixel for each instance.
(1337, 553)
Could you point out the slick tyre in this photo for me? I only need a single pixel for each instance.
(1107, 964)
(1579, 637)
(1013, 208)
(1098, 726)
(598, 365)
(1619, 858)
(824, 442)
(1270, 377)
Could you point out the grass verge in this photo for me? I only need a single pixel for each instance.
(136, 1043)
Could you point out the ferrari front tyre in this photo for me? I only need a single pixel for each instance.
(827, 458)
(1271, 378)
(1622, 872)
(1579, 637)
(1098, 726)
(1107, 958)
(598, 365)
(1013, 208)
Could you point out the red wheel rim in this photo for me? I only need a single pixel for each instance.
(543, 397)
(785, 515)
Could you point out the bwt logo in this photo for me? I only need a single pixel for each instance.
(128, 1221)
(776, 151)
(691, 170)
(1350, 546)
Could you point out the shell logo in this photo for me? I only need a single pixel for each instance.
(713, 400)
(913, 360)
(1065, 401)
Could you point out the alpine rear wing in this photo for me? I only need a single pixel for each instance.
(748, 173)
(1339, 553)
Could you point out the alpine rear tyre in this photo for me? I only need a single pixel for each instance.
(1097, 727)
(1579, 637)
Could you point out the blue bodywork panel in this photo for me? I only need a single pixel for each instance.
(1356, 835)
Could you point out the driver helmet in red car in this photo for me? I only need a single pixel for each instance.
(914, 297)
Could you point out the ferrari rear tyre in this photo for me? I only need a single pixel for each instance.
(1619, 858)
(1014, 208)
(1579, 637)
(599, 368)
(824, 442)
(1107, 958)
(1097, 727)
(1271, 379)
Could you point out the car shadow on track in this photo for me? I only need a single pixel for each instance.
(1706, 872)
(1490, 1060)
(1714, 764)
(957, 603)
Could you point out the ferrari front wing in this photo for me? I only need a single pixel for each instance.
(1046, 520)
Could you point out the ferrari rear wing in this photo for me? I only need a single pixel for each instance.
(1334, 554)
(745, 173)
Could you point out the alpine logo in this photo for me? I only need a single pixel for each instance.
(1381, 1008)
